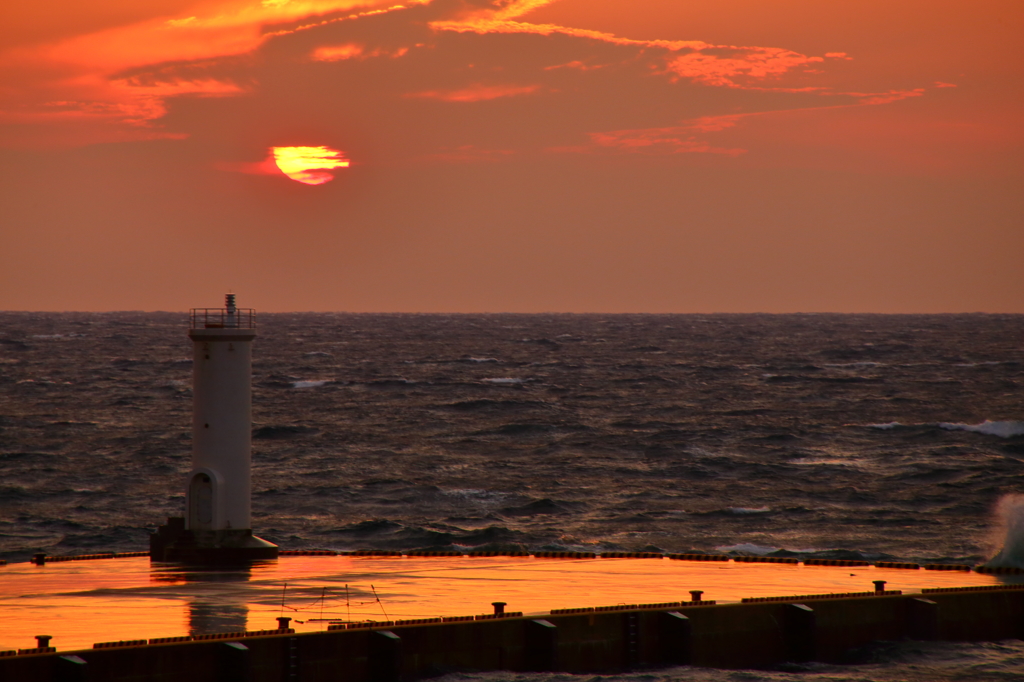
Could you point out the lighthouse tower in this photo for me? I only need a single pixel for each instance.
(217, 526)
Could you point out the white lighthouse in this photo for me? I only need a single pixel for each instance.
(217, 526)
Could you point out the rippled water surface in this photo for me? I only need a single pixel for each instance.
(829, 435)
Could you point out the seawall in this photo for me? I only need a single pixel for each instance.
(745, 635)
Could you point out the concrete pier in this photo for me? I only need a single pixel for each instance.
(746, 635)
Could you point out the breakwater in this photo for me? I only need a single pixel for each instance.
(745, 635)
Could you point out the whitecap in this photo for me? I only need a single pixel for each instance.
(481, 359)
(476, 495)
(758, 550)
(748, 510)
(748, 548)
(1007, 429)
(317, 354)
(503, 381)
(886, 427)
(309, 384)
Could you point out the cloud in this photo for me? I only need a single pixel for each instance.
(476, 93)
(332, 53)
(575, 64)
(873, 98)
(389, 70)
(681, 139)
(737, 67)
(90, 68)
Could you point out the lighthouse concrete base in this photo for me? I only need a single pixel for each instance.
(174, 543)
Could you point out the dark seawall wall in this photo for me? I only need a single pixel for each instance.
(727, 636)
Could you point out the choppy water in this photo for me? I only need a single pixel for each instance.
(829, 435)
(881, 662)
(837, 435)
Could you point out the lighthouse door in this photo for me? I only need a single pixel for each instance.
(200, 497)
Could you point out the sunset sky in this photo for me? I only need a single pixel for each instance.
(513, 155)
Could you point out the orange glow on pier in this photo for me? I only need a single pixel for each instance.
(81, 603)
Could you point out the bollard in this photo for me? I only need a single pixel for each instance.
(499, 607)
(676, 634)
(282, 622)
(541, 653)
(39, 559)
(800, 633)
(385, 656)
(695, 595)
(43, 641)
(879, 586)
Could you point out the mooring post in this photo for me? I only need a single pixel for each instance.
(282, 622)
(39, 558)
(800, 633)
(43, 641)
(541, 646)
(879, 586)
(385, 656)
(676, 634)
(499, 607)
(695, 595)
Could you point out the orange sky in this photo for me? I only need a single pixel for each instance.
(524, 155)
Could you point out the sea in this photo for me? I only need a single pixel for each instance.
(877, 437)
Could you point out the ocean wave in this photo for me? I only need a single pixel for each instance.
(748, 510)
(748, 548)
(853, 365)
(534, 508)
(385, 533)
(989, 363)
(1000, 429)
(827, 461)
(311, 383)
(1007, 429)
(487, 404)
(282, 432)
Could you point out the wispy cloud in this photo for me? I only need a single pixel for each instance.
(737, 67)
(125, 80)
(687, 138)
(476, 93)
(871, 98)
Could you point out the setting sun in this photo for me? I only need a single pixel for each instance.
(309, 165)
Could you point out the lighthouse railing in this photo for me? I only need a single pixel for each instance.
(222, 318)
